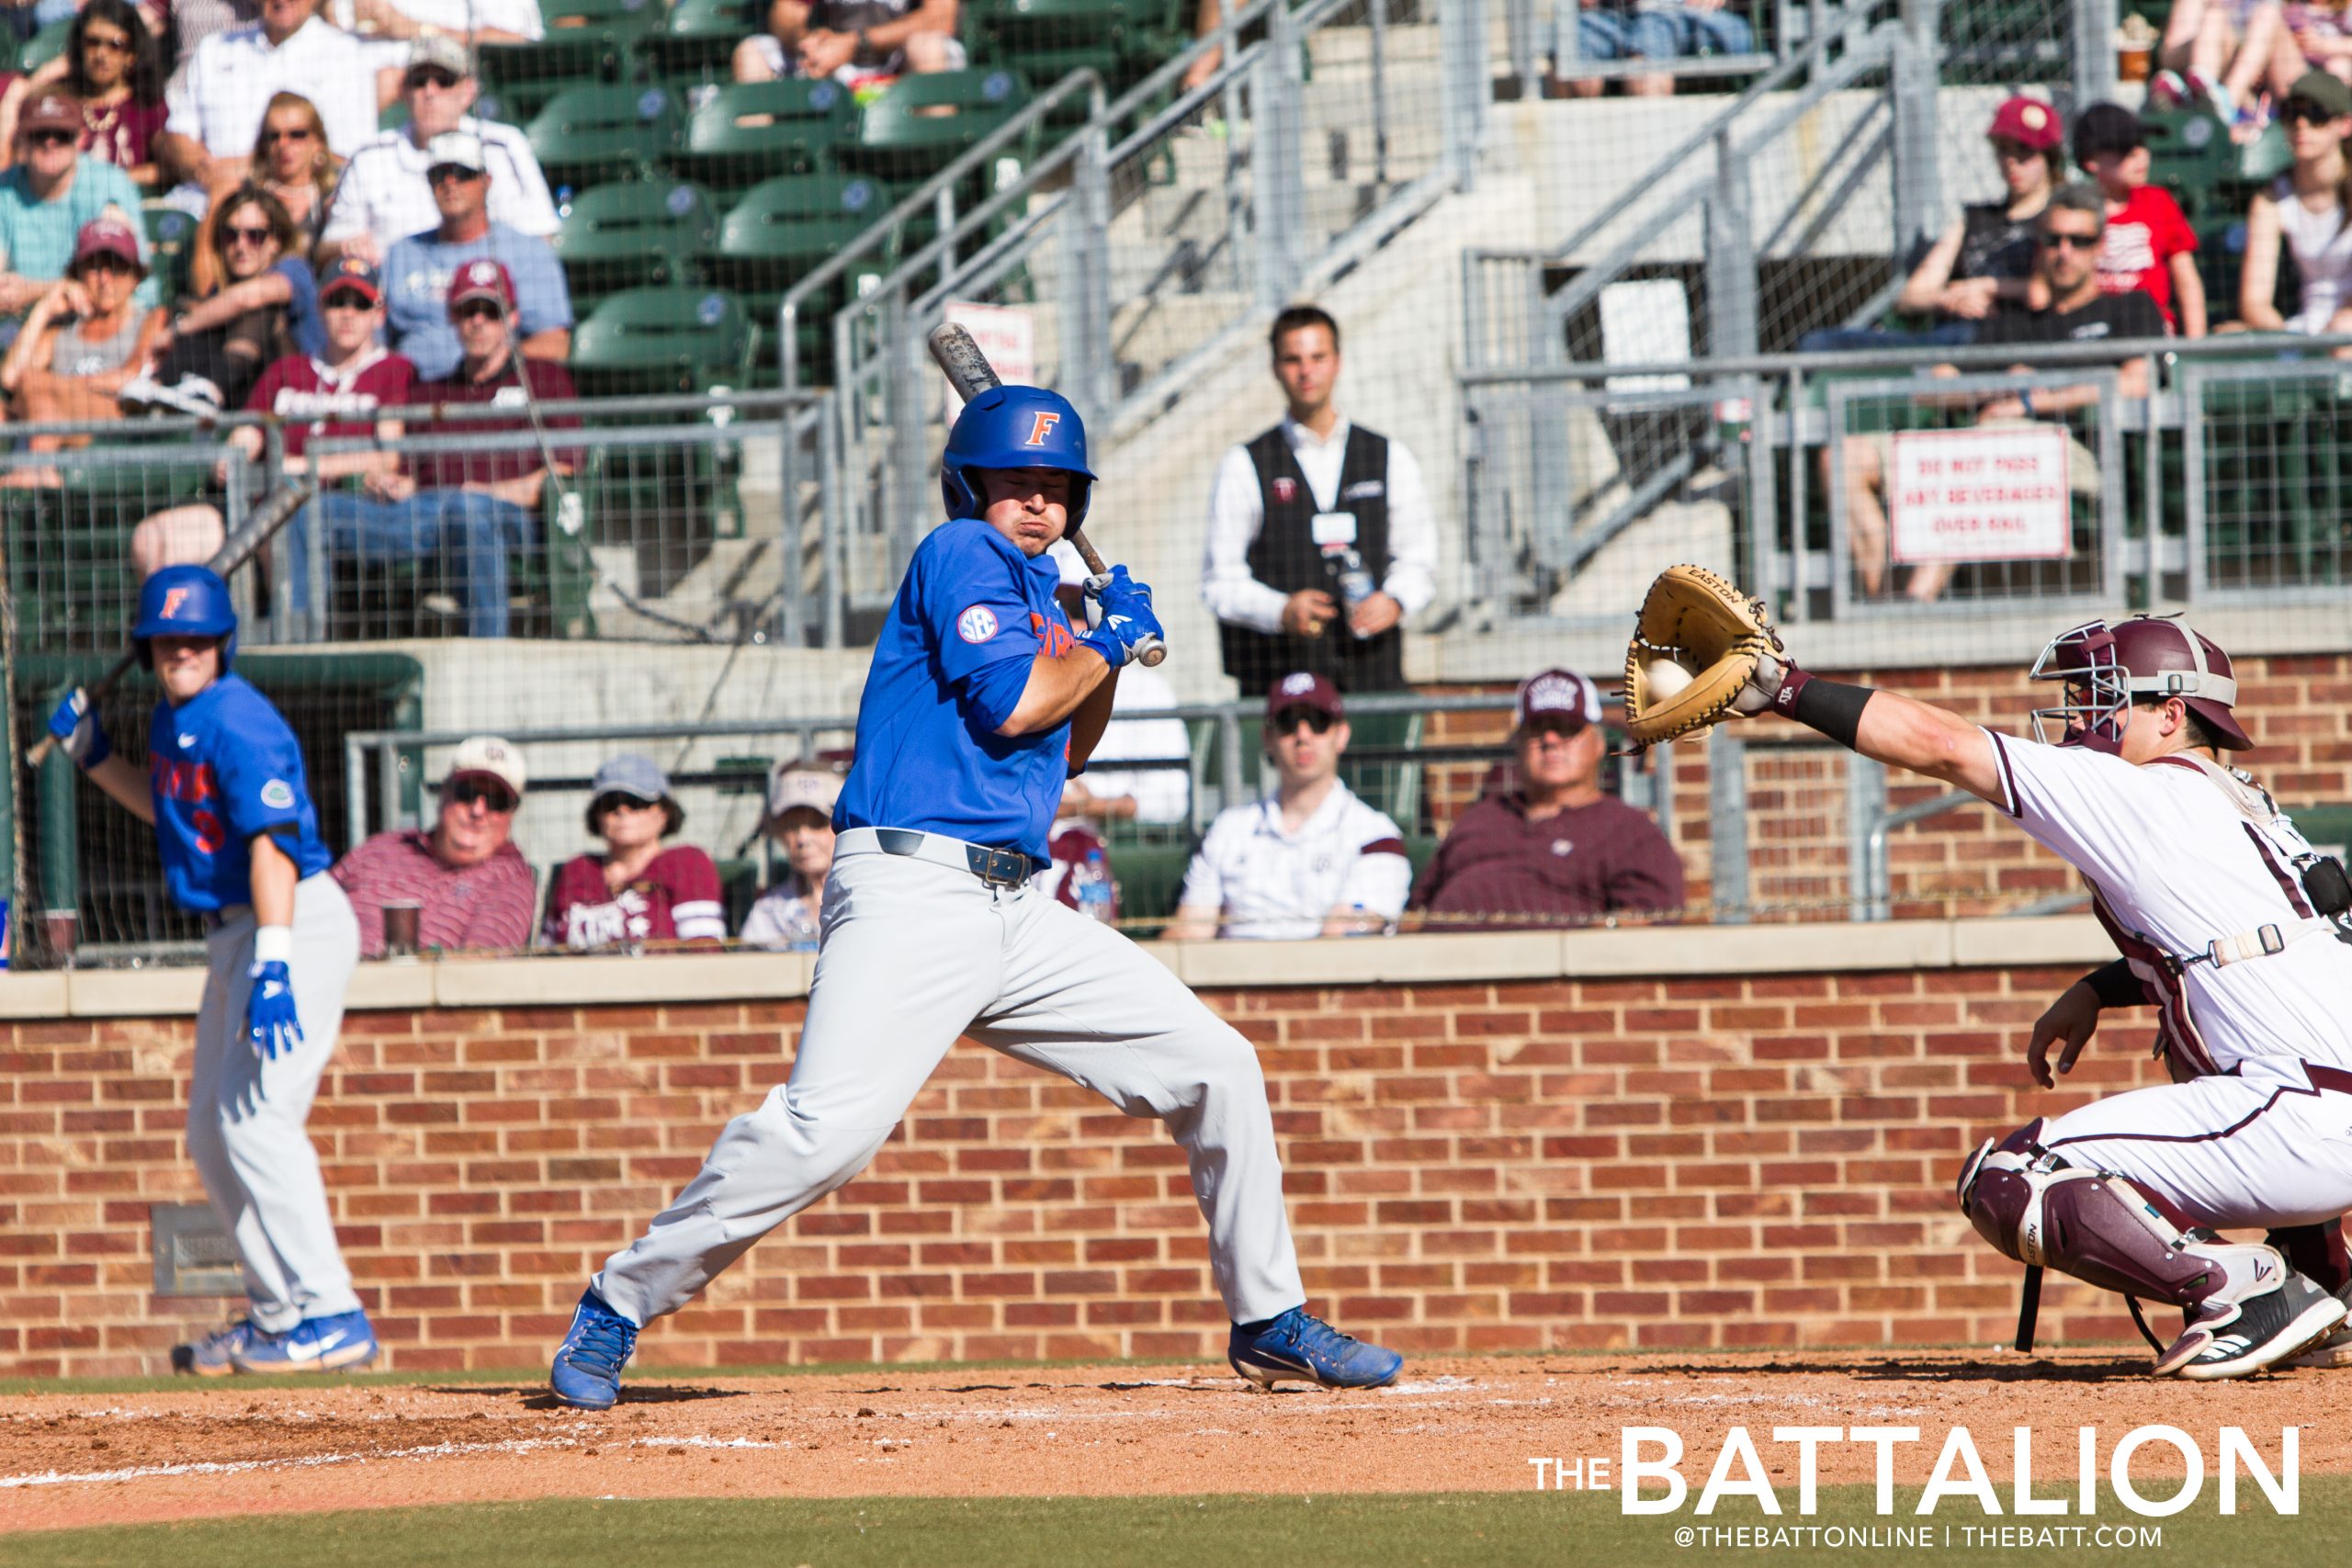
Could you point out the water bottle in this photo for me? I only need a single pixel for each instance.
(1089, 884)
(1355, 583)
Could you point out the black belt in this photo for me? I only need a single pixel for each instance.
(999, 868)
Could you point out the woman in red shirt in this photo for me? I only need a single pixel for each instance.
(637, 892)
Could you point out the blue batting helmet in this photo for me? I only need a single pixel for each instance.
(184, 600)
(1014, 428)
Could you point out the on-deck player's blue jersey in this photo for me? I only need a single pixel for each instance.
(222, 767)
(928, 754)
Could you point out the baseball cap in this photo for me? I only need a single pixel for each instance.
(2106, 128)
(2030, 122)
(488, 757)
(1556, 693)
(639, 777)
(792, 787)
(52, 111)
(2327, 91)
(1303, 689)
(462, 148)
(351, 273)
(481, 280)
(108, 237)
(442, 51)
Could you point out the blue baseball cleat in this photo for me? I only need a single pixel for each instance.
(336, 1344)
(1304, 1348)
(210, 1356)
(587, 1371)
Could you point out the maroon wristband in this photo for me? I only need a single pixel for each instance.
(1792, 680)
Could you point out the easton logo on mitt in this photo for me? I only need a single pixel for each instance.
(1695, 648)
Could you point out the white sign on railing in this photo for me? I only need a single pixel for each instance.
(1006, 334)
(1987, 494)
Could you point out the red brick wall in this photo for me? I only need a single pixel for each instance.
(1746, 1161)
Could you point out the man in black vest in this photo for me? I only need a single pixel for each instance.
(1320, 542)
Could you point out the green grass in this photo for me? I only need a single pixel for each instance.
(1488, 1530)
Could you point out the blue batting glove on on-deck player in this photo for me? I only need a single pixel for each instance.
(79, 735)
(1125, 622)
(270, 1023)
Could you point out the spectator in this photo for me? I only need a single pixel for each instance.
(465, 23)
(87, 336)
(113, 68)
(472, 885)
(418, 269)
(1308, 860)
(1208, 16)
(800, 819)
(1984, 263)
(265, 307)
(2149, 245)
(1105, 793)
(221, 93)
(467, 509)
(2324, 37)
(386, 192)
(179, 26)
(852, 40)
(2304, 211)
(1555, 848)
(1293, 509)
(1620, 29)
(333, 394)
(2079, 311)
(2232, 53)
(46, 198)
(290, 160)
(636, 892)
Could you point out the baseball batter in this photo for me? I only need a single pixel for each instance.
(2220, 910)
(226, 794)
(982, 702)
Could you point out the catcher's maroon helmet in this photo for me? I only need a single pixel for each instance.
(2109, 665)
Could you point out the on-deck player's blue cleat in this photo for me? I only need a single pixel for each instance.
(333, 1344)
(210, 1356)
(587, 1371)
(1304, 1348)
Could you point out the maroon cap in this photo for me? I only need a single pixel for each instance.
(52, 111)
(1556, 693)
(2028, 121)
(1304, 690)
(108, 237)
(483, 280)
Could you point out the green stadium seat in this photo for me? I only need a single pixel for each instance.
(664, 340)
(1046, 39)
(586, 136)
(44, 46)
(699, 37)
(922, 123)
(586, 41)
(635, 234)
(782, 230)
(171, 245)
(750, 132)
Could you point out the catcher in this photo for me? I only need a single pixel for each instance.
(2223, 913)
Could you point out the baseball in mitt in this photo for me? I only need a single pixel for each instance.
(1695, 650)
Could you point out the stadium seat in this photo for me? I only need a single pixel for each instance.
(782, 230)
(750, 132)
(586, 136)
(635, 234)
(920, 125)
(664, 340)
(44, 46)
(699, 37)
(171, 244)
(587, 40)
(1046, 39)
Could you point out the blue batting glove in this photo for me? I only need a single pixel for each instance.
(270, 1023)
(1127, 624)
(79, 735)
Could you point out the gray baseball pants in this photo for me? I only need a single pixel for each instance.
(915, 953)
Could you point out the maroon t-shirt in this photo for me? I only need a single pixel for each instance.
(316, 401)
(122, 134)
(453, 471)
(677, 899)
(1578, 864)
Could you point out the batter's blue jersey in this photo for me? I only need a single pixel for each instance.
(928, 754)
(222, 768)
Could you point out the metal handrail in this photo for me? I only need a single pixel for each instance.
(1992, 356)
(1881, 879)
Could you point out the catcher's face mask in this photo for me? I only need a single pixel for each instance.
(2096, 692)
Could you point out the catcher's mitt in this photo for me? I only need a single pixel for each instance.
(1694, 648)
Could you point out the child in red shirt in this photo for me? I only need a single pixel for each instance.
(2147, 245)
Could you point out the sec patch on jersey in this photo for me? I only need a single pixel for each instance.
(976, 624)
(277, 793)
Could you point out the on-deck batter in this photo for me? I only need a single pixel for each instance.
(226, 793)
(982, 702)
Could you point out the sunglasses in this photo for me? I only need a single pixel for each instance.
(2302, 111)
(106, 261)
(346, 299)
(617, 802)
(51, 138)
(441, 172)
(1556, 724)
(261, 236)
(2070, 241)
(498, 798)
(1315, 719)
(274, 135)
(429, 78)
(114, 43)
(479, 310)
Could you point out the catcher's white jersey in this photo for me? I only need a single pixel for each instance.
(2174, 864)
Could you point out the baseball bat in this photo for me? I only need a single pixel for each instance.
(268, 518)
(969, 372)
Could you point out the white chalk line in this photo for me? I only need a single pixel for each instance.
(313, 1461)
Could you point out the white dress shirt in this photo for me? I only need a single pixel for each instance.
(1269, 884)
(385, 193)
(1238, 510)
(221, 94)
(463, 17)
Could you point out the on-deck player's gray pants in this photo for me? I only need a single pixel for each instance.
(245, 1115)
(915, 953)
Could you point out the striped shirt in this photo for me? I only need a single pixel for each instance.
(488, 905)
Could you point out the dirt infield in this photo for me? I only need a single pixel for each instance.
(1453, 1425)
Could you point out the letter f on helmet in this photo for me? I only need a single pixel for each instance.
(1042, 426)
